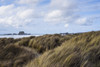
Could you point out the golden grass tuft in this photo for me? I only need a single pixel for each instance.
(80, 51)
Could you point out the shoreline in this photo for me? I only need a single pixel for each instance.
(16, 36)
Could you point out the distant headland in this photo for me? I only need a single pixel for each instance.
(20, 33)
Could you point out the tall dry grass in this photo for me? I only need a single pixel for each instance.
(80, 51)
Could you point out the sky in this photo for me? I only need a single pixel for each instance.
(49, 16)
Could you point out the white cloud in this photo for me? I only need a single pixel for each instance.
(59, 4)
(20, 13)
(69, 11)
(61, 11)
(81, 21)
(66, 25)
(54, 16)
(10, 15)
(29, 2)
(85, 21)
(28, 13)
(5, 10)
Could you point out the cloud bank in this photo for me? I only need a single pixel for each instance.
(20, 13)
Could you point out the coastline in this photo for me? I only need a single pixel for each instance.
(16, 36)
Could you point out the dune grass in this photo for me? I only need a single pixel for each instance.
(43, 43)
(77, 50)
(16, 56)
(80, 51)
(47, 42)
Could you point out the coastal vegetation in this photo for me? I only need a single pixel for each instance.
(72, 50)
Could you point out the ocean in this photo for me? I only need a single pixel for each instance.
(16, 36)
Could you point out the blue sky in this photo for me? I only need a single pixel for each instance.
(49, 16)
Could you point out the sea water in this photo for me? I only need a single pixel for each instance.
(16, 36)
